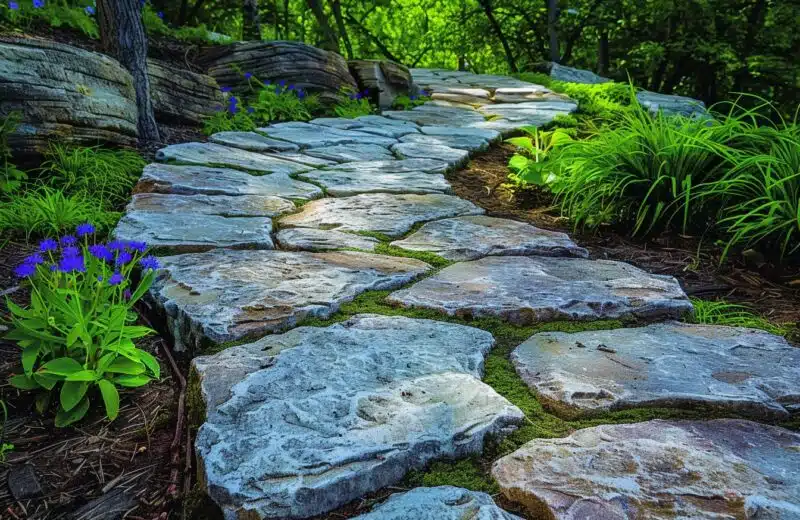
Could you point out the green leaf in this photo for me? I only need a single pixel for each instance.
(110, 398)
(29, 357)
(519, 163)
(16, 310)
(83, 375)
(132, 381)
(123, 365)
(42, 402)
(74, 334)
(523, 142)
(45, 381)
(71, 393)
(23, 382)
(63, 366)
(150, 362)
(65, 418)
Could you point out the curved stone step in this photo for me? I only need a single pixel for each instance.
(223, 205)
(225, 295)
(341, 183)
(658, 469)
(301, 423)
(252, 141)
(342, 153)
(744, 371)
(307, 239)
(438, 503)
(212, 154)
(527, 289)
(306, 135)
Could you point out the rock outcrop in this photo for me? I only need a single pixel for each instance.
(182, 96)
(671, 104)
(383, 80)
(438, 503)
(569, 74)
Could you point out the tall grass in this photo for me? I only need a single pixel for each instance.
(723, 313)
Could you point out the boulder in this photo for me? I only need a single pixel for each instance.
(306, 239)
(722, 469)
(307, 67)
(182, 96)
(438, 503)
(384, 80)
(672, 105)
(64, 94)
(569, 74)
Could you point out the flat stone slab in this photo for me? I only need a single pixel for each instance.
(226, 295)
(253, 142)
(658, 469)
(307, 135)
(301, 423)
(394, 166)
(200, 180)
(452, 156)
(371, 124)
(524, 290)
(532, 113)
(437, 116)
(452, 131)
(212, 154)
(352, 152)
(307, 239)
(340, 183)
(522, 94)
(223, 205)
(671, 104)
(674, 365)
(189, 232)
(384, 213)
(468, 238)
(470, 143)
(438, 503)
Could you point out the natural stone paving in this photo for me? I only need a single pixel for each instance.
(224, 205)
(429, 150)
(744, 371)
(658, 469)
(342, 183)
(253, 142)
(209, 154)
(371, 124)
(438, 503)
(472, 237)
(305, 239)
(464, 142)
(300, 423)
(384, 213)
(193, 180)
(307, 135)
(352, 152)
(528, 289)
(393, 166)
(225, 295)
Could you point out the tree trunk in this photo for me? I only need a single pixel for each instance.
(330, 42)
(336, 7)
(251, 25)
(552, 29)
(498, 31)
(286, 32)
(122, 35)
(184, 10)
(603, 61)
(379, 44)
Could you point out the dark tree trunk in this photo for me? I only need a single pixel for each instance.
(336, 7)
(498, 31)
(122, 35)
(286, 33)
(330, 42)
(184, 10)
(754, 23)
(603, 61)
(552, 30)
(195, 10)
(251, 25)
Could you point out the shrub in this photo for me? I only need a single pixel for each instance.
(154, 22)
(530, 164)
(22, 12)
(724, 313)
(409, 102)
(352, 105)
(11, 178)
(280, 102)
(76, 334)
(225, 121)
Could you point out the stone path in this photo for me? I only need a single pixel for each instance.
(262, 230)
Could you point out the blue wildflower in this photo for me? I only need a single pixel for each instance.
(160, 15)
(115, 279)
(116, 245)
(13, 5)
(70, 251)
(25, 269)
(139, 247)
(225, 89)
(89, 10)
(250, 110)
(126, 294)
(248, 75)
(266, 83)
(34, 259)
(101, 252)
(233, 105)
(413, 98)
(353, 96)
(149, 262)
(48, 244)
(290, 87)
(281, 83)
(71, 263)
(68, 240)
(84, 229)
(123, 258)
(99, 278)
(38, 4)
(301, 94)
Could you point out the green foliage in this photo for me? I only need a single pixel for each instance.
(11, 178)
(76, 334)
(225, 121)
(464, 473)
(352, 105)
(280, 102)
(201, 35)
(4, 446)
(51, 12)
(408, 102)
(723, 313)
(531, 165)
(153, 21)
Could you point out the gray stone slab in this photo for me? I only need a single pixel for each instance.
(385, 213)
(307, 239)
(452, 156)
(199, 180)
(488, 135)
(212, 154)
(530, 113)
(437, 116)
(225, 295)
(393, 166)
(658, 469)
(223, 205)
(253, 142)
(469, 143)
(371, 124)
(438, 503)
(472, 237)
(314, 136)
(340, 183)
(744, 371)
(573, 75)
(672, 105)
(352, 152)
(187, 232)
(525, 289)
(521, 94)
(301, 423)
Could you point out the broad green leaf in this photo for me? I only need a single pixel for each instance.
(65, 418)
(16, 310)
(71, 393)
(61, 367)
(23, 382)
(123, 365)
(519, 163)
(45, 381)
(42, 402)
(29, 357)
(83, 375)
(110, 398)
(132, 381)
(150, 361)
(74, 334)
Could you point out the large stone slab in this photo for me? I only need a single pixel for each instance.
(306, 239)
(470, 143)
(253, 142)
(385, 213)
(393, 166)
(523, 94)
(453, 131)
(471, 237)
(438, 503)
(226, 295)
(188, 232)
(524, 289)
(199, 180)
(371, 124)
(382, 79)
(530, 113)
(307, 135)
(212, 154)
(658, 469)
(671, 104)
(569, 74)
(301, 423)
(437, 116)
(429, 150)
(180, 95)
(341, 183)
(352, 152)
(223, 205)
(738, 370)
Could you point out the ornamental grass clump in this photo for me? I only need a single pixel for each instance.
(352, 104)
(77, 335)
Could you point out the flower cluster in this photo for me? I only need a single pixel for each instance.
(359, 95)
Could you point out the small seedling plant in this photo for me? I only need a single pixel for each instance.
(77, 335)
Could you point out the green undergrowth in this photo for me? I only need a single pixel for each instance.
(384, 248)
(720, 312)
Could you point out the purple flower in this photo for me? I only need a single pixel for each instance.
(290, 87)
(126, 294)
(34, 259)
(353, 96)
(266, 83)
(68, 240)
(149, 262)
(423, 93)
(225, 89)
(116, 245)
(48, 244)
(233, 105)
(38, 4)
(84, 229)
(413, 98)
(123, 258)
(160, 15)
(99, 278)
(25, 269)
(281, 83)
(115, 279)
(301, 94)
(71, 263)
(248, 75)
(13, 5)
(250, 110)
(89, 10)
(70, 251)
(139, 247)
(101, 252)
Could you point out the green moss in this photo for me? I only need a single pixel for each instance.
(375, 234)
(195, 406)
(435, 260)
(466, 473)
